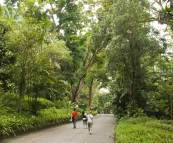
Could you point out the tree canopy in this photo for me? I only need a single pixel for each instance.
(69, 50)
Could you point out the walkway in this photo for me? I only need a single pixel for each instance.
(103, 130)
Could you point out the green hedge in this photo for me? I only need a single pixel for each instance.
(10, 123)
(39, 112)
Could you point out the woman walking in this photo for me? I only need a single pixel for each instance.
(84, 119)
(90, 121)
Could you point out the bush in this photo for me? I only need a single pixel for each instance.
(142, 130)
(14, 122)
(9, 123)
(53, 115)
(9, 100)
(59, 104)
(44, 103)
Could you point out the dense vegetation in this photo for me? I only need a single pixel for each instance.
(144, 130)
(48, 112)
(55, 55)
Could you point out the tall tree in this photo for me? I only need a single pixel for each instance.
(132, 50)
(6, 54)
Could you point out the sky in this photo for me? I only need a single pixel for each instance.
(1, 2)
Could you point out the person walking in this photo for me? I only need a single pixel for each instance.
(84, 116)
(90, 121)
(74, 117)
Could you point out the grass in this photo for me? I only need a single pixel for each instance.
(144, 130)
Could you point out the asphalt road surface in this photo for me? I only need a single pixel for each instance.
(102, 132)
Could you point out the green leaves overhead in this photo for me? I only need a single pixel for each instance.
(54, 48)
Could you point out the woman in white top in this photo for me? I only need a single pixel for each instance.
(90, 121)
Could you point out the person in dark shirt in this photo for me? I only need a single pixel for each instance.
(84, 115)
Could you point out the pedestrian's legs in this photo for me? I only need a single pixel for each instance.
(85, 124)
(90, 127)
(74, 123)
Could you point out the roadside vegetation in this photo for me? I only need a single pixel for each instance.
(140, 64)
(46, 112)
(144, 130)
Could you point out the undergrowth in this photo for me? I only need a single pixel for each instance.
(144, 130)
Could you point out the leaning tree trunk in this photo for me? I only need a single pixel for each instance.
(78, 88)
(87, 69)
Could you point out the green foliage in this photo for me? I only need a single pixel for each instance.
(161, 124)
(45, 104)
(60, 104)
(132, 53)
(9, 123)
(9, 100)
(104, 103)
(53, 115)
(6, 55)
(79, 110)
(34, 105)
(44, 109)
(143, 129)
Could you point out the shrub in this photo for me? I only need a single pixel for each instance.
(9, 100)
(142, 130)
(59, 104)
(9, 123)
(44, 103)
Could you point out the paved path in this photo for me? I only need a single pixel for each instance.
(103, 130)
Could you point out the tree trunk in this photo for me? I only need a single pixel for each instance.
(171, 106)
(78, 88)
(72, 92)
(87, 68)
(133, 83)
(21, 91)
(171, 4)
(90, 93)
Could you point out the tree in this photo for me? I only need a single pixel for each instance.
(6, 54)
(132, 50)
(24, 41)
(164, 13)
(97, 76)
